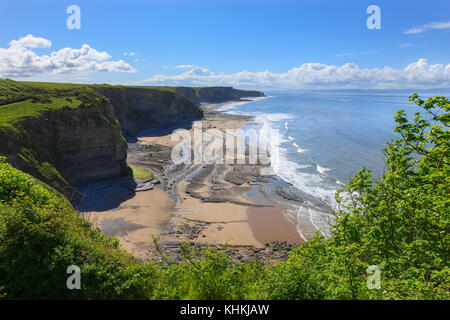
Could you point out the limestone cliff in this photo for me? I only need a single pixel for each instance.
(67, 147)
(141, 108)
(216, 94)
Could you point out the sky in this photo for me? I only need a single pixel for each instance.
(261, 44)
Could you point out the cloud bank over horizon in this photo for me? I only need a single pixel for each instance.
(419, 74)
(20, 61)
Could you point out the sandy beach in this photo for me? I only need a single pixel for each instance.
(204, 204)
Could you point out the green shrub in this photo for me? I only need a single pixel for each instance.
(399, 222)
(41, 235)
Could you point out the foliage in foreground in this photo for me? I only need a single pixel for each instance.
(399, 222)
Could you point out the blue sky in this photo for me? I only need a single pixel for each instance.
(228, 37)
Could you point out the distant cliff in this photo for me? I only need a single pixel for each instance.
(141, 108)
(216, 94)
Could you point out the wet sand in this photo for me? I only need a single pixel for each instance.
(270, 224)
(134, 222)
(223, 222)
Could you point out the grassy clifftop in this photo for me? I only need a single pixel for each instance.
(41, 235)
(21, 100)
(60, 133)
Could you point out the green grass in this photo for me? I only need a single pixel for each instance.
(53, 85)
(41, 235)
(141, 174)
(45, 169)
(20, 100)
(15, 112)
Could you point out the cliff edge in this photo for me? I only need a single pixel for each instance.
(200, 95)
(142, 108)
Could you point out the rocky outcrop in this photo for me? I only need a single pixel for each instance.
(142, 108)
(188, 93)
(67, 147)
(248, 93)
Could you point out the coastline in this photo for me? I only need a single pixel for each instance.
(210, 205)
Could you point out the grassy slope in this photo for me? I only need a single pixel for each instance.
(22, 100)
(14, 112)
(19, 100)
(141, 174)
(41, 235)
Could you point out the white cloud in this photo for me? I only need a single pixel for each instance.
(31, 41)
(317, 75)
(19, 61)
(131, 54)
(429, 26)
(185, 66)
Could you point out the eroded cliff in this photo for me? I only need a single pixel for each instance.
(66, 147)
(216, 94)
(142, 108)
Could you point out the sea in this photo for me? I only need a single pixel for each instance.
(326, 136)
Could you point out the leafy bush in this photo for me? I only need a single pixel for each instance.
(399, 222)
(41, 235)
(207, 274)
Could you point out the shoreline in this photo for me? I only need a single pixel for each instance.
(208, 205)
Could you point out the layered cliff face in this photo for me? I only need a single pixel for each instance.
(66, 147)
(247, 93)
(142, 108)
(188, 93)
(215, 94)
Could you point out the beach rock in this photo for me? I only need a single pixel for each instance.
(145, 186)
